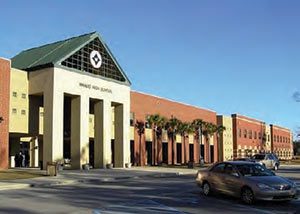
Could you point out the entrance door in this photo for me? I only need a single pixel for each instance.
(202, 151)
(179, 152)
(149, 153)
(132, 152)
(91, 153)
(191, 148)
(165, 153)
(113, 152)
(211, 153)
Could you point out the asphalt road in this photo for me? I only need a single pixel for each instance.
(137, 192)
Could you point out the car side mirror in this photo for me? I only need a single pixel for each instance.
(235, 174)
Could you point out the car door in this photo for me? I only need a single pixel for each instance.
(268, 161)
(232, 181)
(216, 177)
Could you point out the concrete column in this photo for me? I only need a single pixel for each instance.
(53, 126)
(102, 142)
(79, 131)
(122, 140)
(34, 152)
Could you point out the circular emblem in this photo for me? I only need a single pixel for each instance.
(96, 59)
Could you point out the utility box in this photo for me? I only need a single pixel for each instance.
(51, 168)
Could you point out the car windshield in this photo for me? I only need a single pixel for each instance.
(259, 157)
(248, 170)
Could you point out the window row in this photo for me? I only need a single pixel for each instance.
(15, 111)
(253, 135)
(281, 139)
(15, 94)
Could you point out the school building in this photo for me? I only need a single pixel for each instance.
(71, 100)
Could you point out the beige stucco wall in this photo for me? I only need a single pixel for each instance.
(226, 138)
(268, 138)
(19, 84)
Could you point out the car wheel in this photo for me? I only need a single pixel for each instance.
(276, 167)
(206, 189)
(247, 195)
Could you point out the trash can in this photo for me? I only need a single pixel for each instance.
(51, 168)
(191, 164)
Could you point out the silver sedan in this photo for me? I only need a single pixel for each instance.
(247, 180)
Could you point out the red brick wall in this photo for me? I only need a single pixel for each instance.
(281, 141)
(250, 125)
(143, 105)
(4, 111)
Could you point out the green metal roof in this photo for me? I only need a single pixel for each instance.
(48, 55)
(53, 54)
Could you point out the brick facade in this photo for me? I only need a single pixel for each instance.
(249, 136)
(143, 105)
(282, 142)
(4, 111)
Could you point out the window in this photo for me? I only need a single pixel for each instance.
(280, 139)
(14, 110)
(14, 94)
(268, 137)
(80, 60)
(147, 125)
(23, 112)
(240, 132)
(250, 134)
(24, 96)
(229, 169)
(274, 138)
(245, 133)
(131, 119)
(255, 135)
(259, 135)
(219, 168)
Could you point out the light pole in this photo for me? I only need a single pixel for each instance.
(200, 144)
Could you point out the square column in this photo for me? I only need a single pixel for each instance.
(79, 131)
(53, 126)
(102, 140)
(122, 138)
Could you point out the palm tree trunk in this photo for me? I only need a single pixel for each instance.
(140, 150)
(173, 152)
(184, 149)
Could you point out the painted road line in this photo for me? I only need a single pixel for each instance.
(141, 206)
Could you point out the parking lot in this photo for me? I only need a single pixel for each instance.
(133, 191)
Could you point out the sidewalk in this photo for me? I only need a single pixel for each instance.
(71, 177)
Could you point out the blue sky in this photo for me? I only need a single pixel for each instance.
(229, 56)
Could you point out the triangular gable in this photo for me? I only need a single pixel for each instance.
(74, 53)
(94, 57)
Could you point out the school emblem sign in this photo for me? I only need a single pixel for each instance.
(95, 59)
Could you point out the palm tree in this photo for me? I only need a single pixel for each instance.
(208, 130)
(172, 129)
(157, 124)
(140, 127)
(198, 127)
(184, 129)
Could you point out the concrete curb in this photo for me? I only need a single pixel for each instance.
(12, 186)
